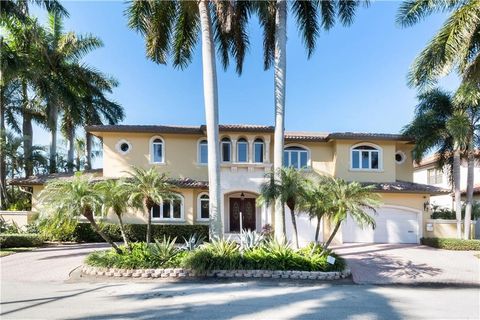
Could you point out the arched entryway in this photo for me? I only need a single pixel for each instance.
(241, 212)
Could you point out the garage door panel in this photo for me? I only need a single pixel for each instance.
(393, 225)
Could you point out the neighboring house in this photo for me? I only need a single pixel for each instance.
(381, 160)
(427, 172)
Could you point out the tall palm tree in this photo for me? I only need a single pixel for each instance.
(170, 29)
(147, 188)
(436, 127)
(349, 199)
(72, 198)
(113, 194)
(454, 46)
(19, 9)
(289, 189)
(311, 17)
(315, 203)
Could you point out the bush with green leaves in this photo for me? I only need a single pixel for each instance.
(452, 244)
(15, 240)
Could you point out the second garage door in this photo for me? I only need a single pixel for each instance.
(394, 225)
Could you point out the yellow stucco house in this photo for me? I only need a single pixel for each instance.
(383, 160)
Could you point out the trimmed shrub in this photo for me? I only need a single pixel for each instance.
(452, 244)
(15, 240)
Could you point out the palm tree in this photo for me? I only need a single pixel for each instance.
(311, 17)
(349, 199)
(147, 188)
(71, 198)
(467, 100)
(315, 203)
(436, 126)
(454, 47)
(289, 188)
(19, 9)
(170, 29)
(113, 194)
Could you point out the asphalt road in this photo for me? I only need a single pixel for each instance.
(33, 286)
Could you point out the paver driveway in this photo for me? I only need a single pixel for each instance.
(409, 264)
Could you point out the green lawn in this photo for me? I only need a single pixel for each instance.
(8, 251)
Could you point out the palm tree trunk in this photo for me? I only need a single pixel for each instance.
(88, 151)
(317, 229)
(294, 223)
(89, 215)
(211, 115)
(330, 239)
(122, 231)
(3, 165)
(280, 73)
(27, 131)
(53, 122)
(456, 182)
(470, 180)
(149, 207)
(71, 149)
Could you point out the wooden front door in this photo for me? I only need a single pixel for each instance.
(247, 207)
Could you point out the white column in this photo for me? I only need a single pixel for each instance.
(234, 150)
(250, 150)
(267, 150)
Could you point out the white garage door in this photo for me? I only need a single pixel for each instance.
(393, 226)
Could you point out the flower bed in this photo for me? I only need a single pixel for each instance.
(181, 273)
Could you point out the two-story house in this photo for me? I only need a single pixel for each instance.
(382, 160)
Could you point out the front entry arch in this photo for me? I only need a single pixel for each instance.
(244, 210)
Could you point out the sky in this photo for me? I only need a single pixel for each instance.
(355, 81)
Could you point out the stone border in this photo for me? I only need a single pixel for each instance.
(180, 273)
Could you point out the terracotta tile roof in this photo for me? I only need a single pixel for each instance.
(365, 135)
(405, 187)
(476, 190)
(145, 128)
(242, 127)
(306, 136)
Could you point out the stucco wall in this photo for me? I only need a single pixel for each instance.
(445, 229)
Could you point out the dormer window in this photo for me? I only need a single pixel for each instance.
(242, 150)
(226, 145)
(258, 147)
(157, 150)
(296, 157)
(365, 157)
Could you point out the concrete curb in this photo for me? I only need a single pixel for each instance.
(180, 273)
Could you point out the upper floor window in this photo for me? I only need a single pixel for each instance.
(226, 150)
(157, 150)
(203, 152)
(258, 147)
(296, 157)
(434, 176)
(365, 157)
(169, 210)
(242, 150)
(203, 207)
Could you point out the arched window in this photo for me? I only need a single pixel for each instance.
(157, 150)
(296, 157)
(169, 210)
(203, 152)
(203, 207)
(258, 150)
(226, 150)
(366, 157)
(242, 150)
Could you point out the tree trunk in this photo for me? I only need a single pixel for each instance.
(280, 72)
(211, 115)
(122, 231)
(456, 182)
(88, 151)
(317, 229)
(3, 142)
(470, 182)
(71, 149)
(295, 231)
(149, 207)
(53, 121)
(325, 247)
(89, 215)
(27, 132)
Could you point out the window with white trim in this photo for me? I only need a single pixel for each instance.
(365, 157)
(157, 149)
(296, 157)
(226, 145)
(203, 152)
(258, 147)
(203, 207)
(168, 210)
(242, 150)
(434, 176)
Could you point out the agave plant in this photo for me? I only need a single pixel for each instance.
(165, 250)
(193, 242)
(222, 247)
(251, 239)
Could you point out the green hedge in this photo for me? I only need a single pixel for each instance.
(135, 232)
(452, 244)
(15, 240)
